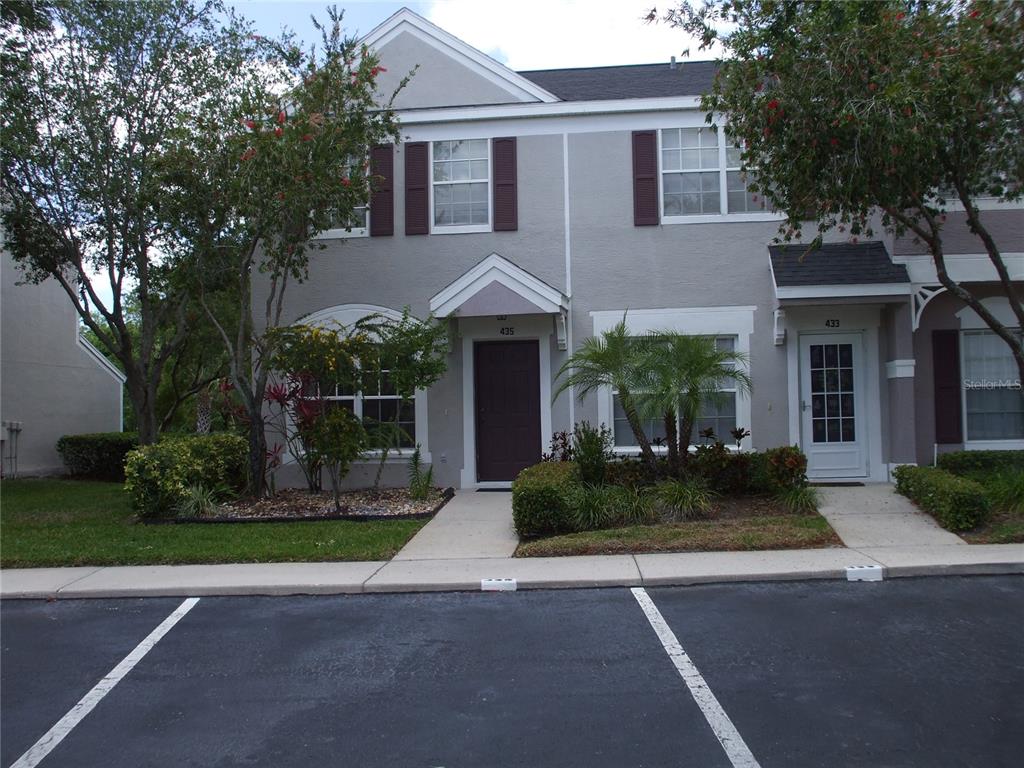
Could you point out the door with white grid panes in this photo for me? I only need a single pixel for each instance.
(832, 405)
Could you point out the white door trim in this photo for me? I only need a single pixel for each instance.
(472, 329)
(853, 318)
(810, 448)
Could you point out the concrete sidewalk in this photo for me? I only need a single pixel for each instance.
(472, 539)
(438, 575)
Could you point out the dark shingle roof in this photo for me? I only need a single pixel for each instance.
(835, 264)
(633, 81)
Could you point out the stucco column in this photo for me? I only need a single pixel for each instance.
(899, 371)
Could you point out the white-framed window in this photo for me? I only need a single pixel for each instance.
(690, 171)
(377, 403)
(702, 178)
(460, 185)
(993, 400)
(718, 413)
(353, 224)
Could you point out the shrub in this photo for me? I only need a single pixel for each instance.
(786, 467)
(632, 472)
(725, 471)
(759, 480)
(420, 483)
(689, 500)
(198, 501)
(561, 448)
(337, 438)
(957, 503)
(97, 456)
(981, 462)
(591, 448)
(1005, 490)
(158, 476)
(590, 507)
(630, 506)
(799, 500)
(541, 497)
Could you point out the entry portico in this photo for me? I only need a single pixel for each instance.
(511, 323)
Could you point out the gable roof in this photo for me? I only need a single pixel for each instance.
(405, 20)
(632, 81)
(835, 264)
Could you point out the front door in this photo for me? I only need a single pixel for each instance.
(507, 382)
(832, 405)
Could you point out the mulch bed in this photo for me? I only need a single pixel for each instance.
(296, 505)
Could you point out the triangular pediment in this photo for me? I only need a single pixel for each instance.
(449, 72)
(496, 286)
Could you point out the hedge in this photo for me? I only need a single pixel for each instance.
(957, 503)
(541, 499)
(981, 462)
(97, 456)
(158, 476)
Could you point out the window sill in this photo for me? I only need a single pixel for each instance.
(720, 218)
(625, 451)
(994, 445)
(459, 229)
(342, 234)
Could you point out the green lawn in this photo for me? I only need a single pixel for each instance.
(67, 522)
(762, 532)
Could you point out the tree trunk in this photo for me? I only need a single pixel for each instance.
(638, 431)
(144, 405)
(673, 446)
(257, 453)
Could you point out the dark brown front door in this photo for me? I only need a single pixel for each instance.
(507, 375)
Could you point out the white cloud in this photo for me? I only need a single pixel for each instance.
(551, 34)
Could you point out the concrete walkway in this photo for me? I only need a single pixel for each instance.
(471, 525)
(876, 516)
(472, 539)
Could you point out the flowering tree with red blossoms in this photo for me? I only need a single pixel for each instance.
(889, 110)
(294, 163)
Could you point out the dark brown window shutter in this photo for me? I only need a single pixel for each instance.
(382, 199)
(948, 404)
(645, 178)
(506, 202)
(417, 197)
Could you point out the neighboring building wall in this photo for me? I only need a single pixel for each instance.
(49, 381)
(939, 314)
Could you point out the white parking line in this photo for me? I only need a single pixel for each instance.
(63, 727)
(735, 748)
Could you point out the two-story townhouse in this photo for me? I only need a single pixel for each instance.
(536, 209)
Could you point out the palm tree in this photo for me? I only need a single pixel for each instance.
(678, 374)
(615, 360)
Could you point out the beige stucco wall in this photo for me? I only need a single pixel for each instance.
(48, 381)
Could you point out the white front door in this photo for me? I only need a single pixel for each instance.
(832, 405)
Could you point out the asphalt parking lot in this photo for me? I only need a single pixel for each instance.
(908, 672)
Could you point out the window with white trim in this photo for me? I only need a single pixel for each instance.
(354, 223)
(461, 180)
(702, 175)
(739, 198)
(717, 413)
(993, 399)
(377, 403)
(690, 171)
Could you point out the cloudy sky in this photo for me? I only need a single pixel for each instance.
(522, 34)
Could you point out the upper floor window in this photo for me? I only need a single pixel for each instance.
(702, 176)
(690, 171)
(461, 180)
